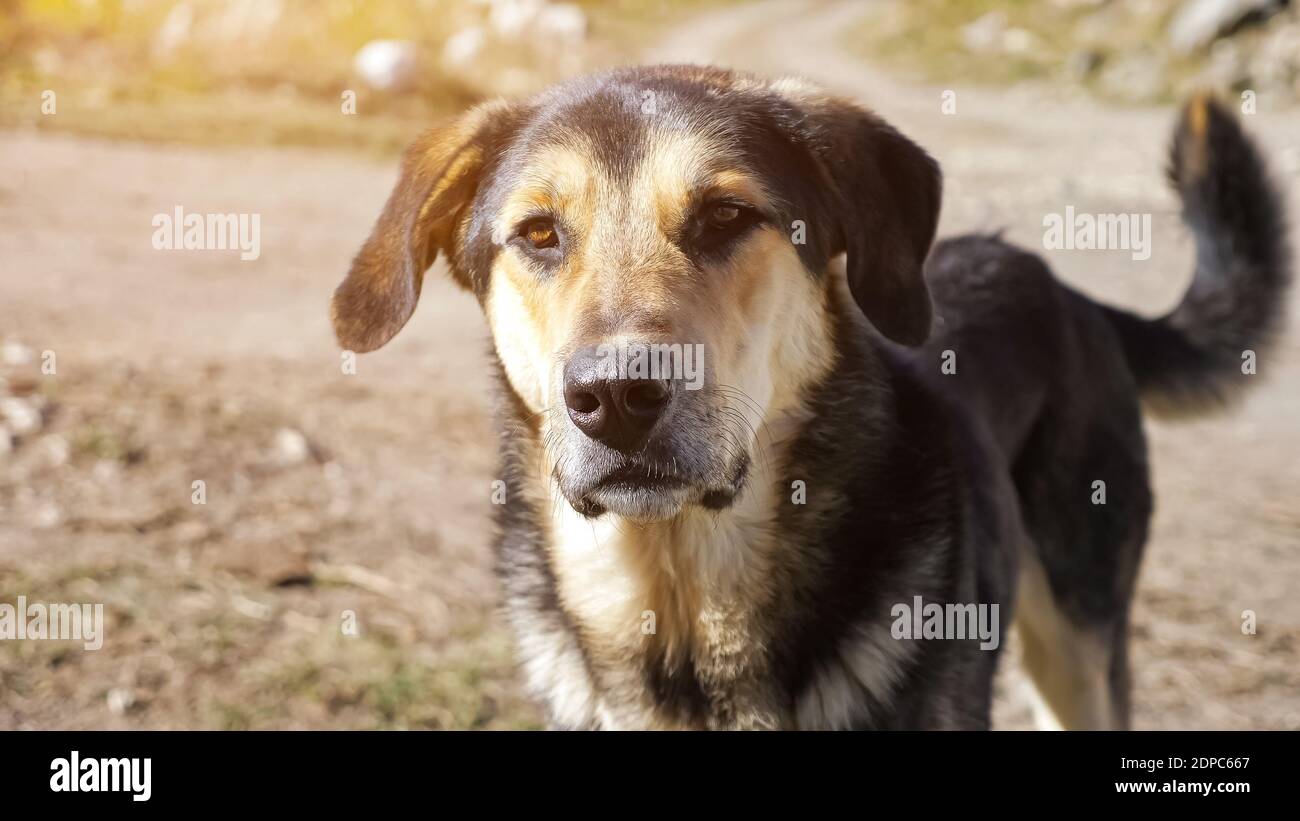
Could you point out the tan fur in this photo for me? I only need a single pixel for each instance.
(1196, 154)
(439, 172)
(1067, 664)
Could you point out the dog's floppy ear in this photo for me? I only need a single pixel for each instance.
(440, 173)
(884, 212)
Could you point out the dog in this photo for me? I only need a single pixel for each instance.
(741, 551)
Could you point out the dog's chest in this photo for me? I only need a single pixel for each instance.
(672, 618)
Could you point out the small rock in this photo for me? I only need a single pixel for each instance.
(1019, 41)
(563, 22)
(387, 65)
(16, 354)
(463, 48)
(247, 607)
(514, 19)
(985, 34)
(22, 415)
(290, 448)
(120, 700)
(1197, 23)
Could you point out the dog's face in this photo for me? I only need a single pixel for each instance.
(652, 249)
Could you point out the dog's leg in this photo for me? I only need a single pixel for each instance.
(1072, 667)
(1082, 480)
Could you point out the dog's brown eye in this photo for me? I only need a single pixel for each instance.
(540, 233)
(719, 224)
(722, 215)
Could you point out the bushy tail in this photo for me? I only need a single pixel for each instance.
(1193, 358)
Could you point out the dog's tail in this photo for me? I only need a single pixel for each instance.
(1202, 354)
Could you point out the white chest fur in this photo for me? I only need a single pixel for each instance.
(694, 587)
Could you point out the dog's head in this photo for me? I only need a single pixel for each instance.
(653, 249)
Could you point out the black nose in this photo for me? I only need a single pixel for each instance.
(615, 411)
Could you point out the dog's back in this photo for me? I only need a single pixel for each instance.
(1059, 382)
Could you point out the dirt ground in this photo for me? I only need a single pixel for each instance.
(329, 492)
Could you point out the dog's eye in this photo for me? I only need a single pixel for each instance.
(722, 215)
(720, 223)
(540, 233)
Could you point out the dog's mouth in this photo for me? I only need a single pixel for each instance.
(635, 477)
(642, 491)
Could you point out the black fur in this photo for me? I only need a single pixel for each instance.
(1243, 269)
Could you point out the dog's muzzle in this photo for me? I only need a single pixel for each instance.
(642, 446)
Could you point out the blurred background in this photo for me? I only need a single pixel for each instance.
(368, 493)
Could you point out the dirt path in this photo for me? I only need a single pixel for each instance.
(182, 366)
